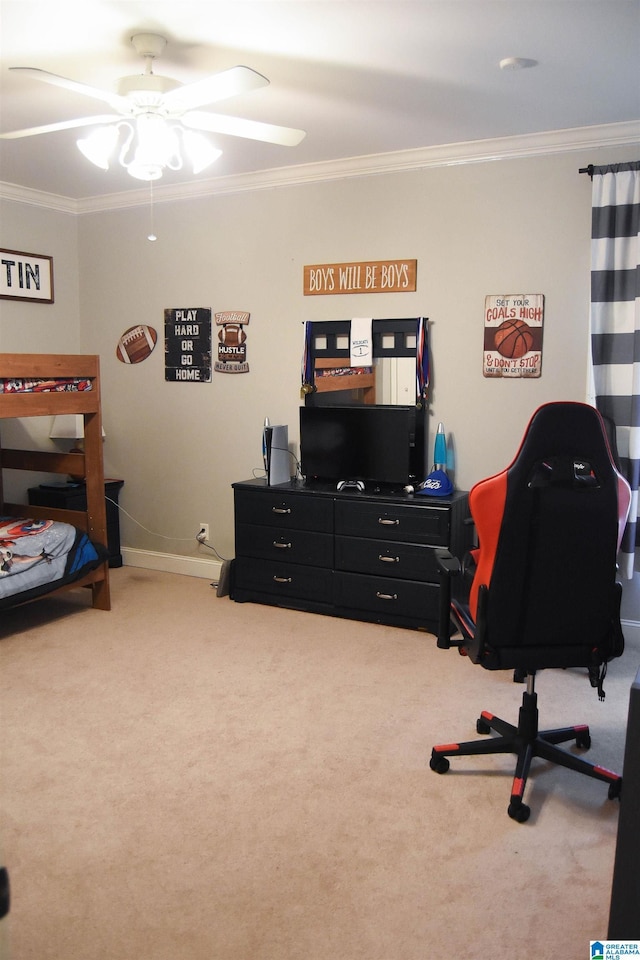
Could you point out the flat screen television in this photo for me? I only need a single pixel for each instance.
(368, 442)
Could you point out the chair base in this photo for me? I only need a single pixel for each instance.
(527, 742)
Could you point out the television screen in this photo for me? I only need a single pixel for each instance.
(368, 442)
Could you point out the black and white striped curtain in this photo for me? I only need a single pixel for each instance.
(615, 321)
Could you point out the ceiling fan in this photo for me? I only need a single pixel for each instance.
(157, 112)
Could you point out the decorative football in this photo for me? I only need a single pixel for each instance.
(136, 344)
(232, 335)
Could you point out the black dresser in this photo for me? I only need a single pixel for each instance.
(364, 555)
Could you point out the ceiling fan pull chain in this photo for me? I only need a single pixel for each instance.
(152, 233)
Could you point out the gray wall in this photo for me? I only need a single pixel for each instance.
(38, 327)
(514, 226)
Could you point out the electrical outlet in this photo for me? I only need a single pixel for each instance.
(203, 532)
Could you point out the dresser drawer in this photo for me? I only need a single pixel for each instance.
(285, 510)
(411, 523)
(386, 558)
(387, 597)
(283, 580)
(290, 546)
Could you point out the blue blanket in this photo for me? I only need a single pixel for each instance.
(37, 556)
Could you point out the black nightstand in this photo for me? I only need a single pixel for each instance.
(73, 496)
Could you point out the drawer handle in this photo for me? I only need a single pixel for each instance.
(386, 596)
(281, 509)
(392, 523)
(283, 579)
(389, 559)
(282, 546)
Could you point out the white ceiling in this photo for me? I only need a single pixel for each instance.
(362, 77)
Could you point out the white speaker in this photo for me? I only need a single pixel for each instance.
(276, 446)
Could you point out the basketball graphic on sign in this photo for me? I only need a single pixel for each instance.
(513, 338)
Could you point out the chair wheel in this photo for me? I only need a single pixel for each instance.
(439, 764)
(519, 812)
(583, 740)
(615, 789)
(482, 726)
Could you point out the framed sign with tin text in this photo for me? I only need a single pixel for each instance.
(26, 276)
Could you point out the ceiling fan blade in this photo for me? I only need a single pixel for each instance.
(220, 86)
(239, 127)
(115, 100)
(62, 125)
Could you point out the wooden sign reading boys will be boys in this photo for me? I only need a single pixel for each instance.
(367, 276)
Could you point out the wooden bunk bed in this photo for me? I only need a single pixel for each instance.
(46, 385)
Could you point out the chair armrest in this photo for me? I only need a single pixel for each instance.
(448, 567)
(448, 564)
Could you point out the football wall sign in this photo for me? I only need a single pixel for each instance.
(232, 342)
(187, 344)
(513, 335)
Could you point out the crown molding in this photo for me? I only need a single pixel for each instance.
(451, 154)
(38, 198)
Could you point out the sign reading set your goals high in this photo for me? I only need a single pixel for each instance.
(513, 335)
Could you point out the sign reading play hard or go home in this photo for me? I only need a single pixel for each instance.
(187, 344)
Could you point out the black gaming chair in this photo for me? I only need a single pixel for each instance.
(544, 591)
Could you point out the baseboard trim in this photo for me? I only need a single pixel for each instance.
(212, 569)
(172, 563)
(631, 630)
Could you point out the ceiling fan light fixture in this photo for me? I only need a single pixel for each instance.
(200, 152)
(149, 148)
(155, 148)
(144, 171)
(99, 146)
(157, 142)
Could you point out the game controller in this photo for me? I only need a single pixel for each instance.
(356, 484)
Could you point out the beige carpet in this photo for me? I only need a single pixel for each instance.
(187, 778)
